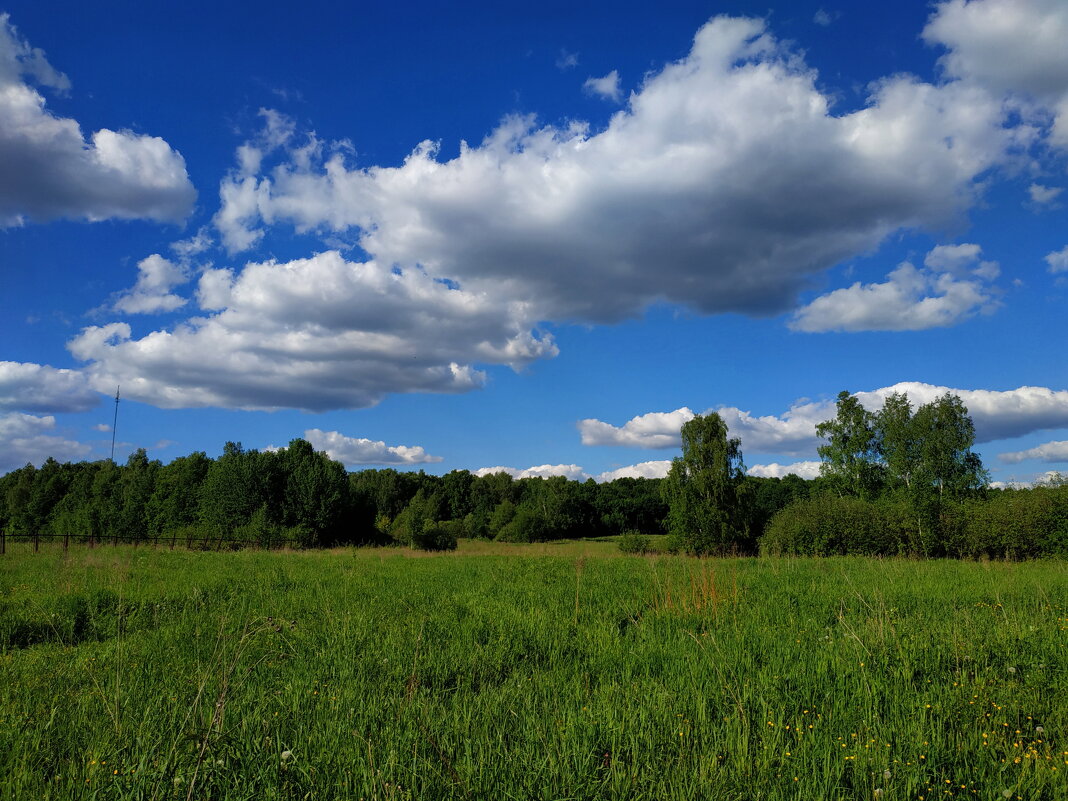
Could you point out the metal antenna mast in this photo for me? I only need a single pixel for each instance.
(114, 423)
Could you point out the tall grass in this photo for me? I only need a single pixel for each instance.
(528, 673)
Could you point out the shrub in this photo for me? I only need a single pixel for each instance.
(527, 525)
(435, 537)
(674, 544)
(635, 542)
(830, 525)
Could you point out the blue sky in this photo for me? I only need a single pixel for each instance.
(534, 239)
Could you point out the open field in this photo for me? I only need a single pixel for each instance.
(528, 672)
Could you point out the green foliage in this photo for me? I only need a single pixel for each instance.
(635, 542)
(705, 492)
(437, 536)
(528, 524)
(422, 512)
(1013, 524)
(831, 525)
(850, 455)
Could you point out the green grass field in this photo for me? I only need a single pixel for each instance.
(561, 671)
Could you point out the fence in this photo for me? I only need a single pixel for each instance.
(171, 541)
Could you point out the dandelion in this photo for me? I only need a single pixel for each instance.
(878, 792)
(1012, 669)
(1039, 730)
(886, 775)
(287, 755)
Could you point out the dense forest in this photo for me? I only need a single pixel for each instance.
(894, 482)
(301, 496)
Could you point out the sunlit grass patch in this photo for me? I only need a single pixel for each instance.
(528, 672)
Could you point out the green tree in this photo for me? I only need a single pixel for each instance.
(237, 484)
(704, 489)
(851, 454)
(137, 482)
(456, 487)
(945, 433)
(18, 498)
(315, 493)
(899, 442)
(175, 501)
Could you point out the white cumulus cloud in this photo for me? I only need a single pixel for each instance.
(29, 387)
(1058, 260)
(156, 277)
(655, 469)
(48, 169)
(317, 333)
(360, 451)
(951, 287)
(725, 184)
(652, 430)
(607, 87)
(1046, 452)
(1043, 195)
(572, 471)
(806, 469)
(25, 439)
(1014, 47)
(997, 415)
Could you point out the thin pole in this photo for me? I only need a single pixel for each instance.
(114, 423)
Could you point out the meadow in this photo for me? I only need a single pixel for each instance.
(555, 671)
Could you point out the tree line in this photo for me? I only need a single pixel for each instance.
(897, 481)
(302, 497)
(299, 496)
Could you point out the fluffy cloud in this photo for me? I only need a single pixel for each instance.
(1046, 452)
(1009, 47)
(951, 287)
(194, 245)
(996, 414)
(353, 451)
(652, 430)
(823, 18)
(32, 387)
(1058, 260)
(793, 432)
(724, 185)
(318, 333)
(606, 87)
(156, 277)
(566, 60)
(655, 469)
(805, 469)
(49, 170)
(572, 471)
(24, 439)
(1043, 195)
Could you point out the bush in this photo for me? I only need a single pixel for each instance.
(435, 537)
(526, 526)
(635, 542)
(829, 525)
(674, 544)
